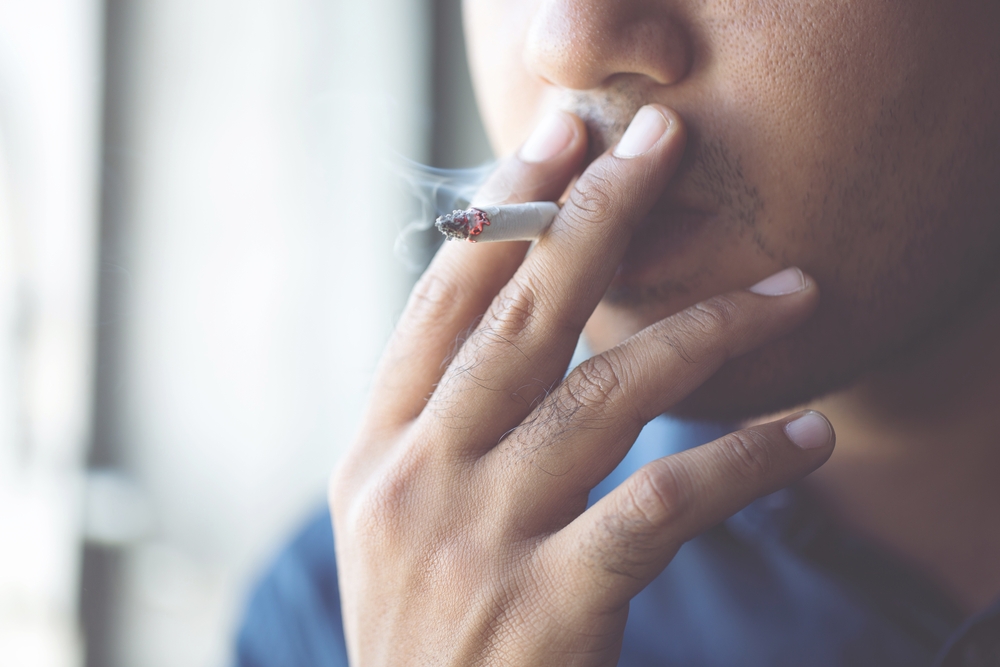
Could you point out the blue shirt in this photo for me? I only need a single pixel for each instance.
(777, 584)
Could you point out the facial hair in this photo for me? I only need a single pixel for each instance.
(710, 172)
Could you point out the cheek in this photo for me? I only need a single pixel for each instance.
(797, 98)
(510, 98)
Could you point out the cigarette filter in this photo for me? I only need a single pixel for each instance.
(510, 222)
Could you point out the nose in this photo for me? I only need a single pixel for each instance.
(580, 44)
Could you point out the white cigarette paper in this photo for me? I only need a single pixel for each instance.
(510, 222)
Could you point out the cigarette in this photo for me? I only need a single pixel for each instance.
(510, 222)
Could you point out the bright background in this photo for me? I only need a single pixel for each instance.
(198, 203)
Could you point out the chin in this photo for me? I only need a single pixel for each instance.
(778, 377)
(739, 392)
(814, 360)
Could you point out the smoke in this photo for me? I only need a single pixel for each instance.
(434, 192)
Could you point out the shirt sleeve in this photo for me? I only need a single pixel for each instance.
(292, 618)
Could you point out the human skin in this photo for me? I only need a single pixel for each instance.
(462, 535)
(854, 139)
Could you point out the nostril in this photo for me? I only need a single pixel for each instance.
(661, 50)
(580, 44)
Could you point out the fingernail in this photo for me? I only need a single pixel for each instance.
(643, 132)
(550, 138)
(810, 431)
(784, 282)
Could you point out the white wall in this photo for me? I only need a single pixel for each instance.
(256, 221)
(50, 87)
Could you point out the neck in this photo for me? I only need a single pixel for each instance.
(918, 459)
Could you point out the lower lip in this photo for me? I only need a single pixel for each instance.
(660, 243)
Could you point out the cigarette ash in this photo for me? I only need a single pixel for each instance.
(436, 193)
(462, 225)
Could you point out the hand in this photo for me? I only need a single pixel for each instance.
(461, 531)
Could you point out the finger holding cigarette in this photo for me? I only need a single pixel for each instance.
(508, 222)
(470, 276)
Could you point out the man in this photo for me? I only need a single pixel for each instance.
(848, 150)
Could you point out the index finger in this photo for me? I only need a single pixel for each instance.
(526, 338)
(463, 278)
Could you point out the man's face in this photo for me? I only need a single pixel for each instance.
(856, 139)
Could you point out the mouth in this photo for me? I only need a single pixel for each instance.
(709, 201)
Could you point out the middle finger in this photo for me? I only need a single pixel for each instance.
(526, 338)
(587, 425)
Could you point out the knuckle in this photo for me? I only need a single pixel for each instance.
(699, 333)
(632, 534)
(697, 330)
(656, 495)
(749, 453)
(594, 384)
(509, 318)
(513, 311)
(714, 315)
(385, 502)
(433, 298)
(590, 200)
(346, 478)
